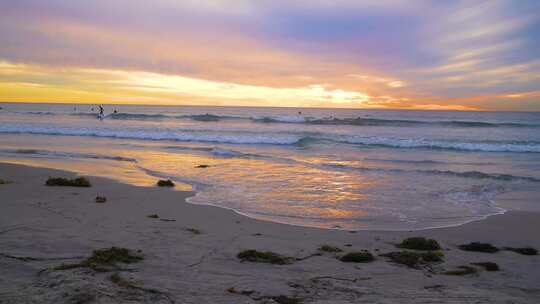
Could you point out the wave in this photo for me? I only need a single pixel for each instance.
(412, 143)
(432, 162)
(360, 121)
(299, 119)
(277, 138)
(465, 174)
(139, 116)
(48, 153)
(156, 134)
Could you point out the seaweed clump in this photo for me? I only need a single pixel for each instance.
(523, 250)
(104, 257)
(264, 257)
(101, 199)
(461, 271)
(60, 181)
(286, 300)
(488, 266)
(154, 216)
(419, 243)
(412, 259)
(479, 247)
(4, 181)
(194, 230)
(165, 183)
(358, 257)
(120, 281)
(330, 248)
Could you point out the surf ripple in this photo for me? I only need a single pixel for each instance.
(271, 138)
(48, 153)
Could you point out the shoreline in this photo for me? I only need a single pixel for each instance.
(183, 186)
(52, 224)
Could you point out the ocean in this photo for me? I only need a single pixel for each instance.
(329, 168)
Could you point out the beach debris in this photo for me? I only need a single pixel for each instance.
(353, 280)
(412, 259)
(488, 266)
(479, 247)
(101, 199)
(167, 220)
(241, 292)
(363, 256)
(60, 181)
(122, 282)
(4, 181)
(104, 257)
(285, 300)
(419, 243)
(194, 230)
(153, 216)
(264, 257)
(348, 245)
(202, 166)
(461, 271)
(165, 183)
(523, 250)
(329, 248)
(437, 286)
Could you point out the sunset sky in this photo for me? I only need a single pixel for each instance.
(482, 55)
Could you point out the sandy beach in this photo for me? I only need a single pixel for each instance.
(190, 252)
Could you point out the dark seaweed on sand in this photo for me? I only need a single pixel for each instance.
(419, 243)
(264, 257)
(60, 181)
(165, 183)
(358, 257)
(488, 266)
(104, 257)
(479, 247)
(523, 250)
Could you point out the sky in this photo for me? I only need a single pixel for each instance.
(410, 54)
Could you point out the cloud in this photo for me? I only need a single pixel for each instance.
(384, 53)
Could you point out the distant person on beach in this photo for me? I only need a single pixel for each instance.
(100, 110)
(114, 112)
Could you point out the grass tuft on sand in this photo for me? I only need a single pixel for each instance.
(104, 257)
(479, 247)
(66, 182)
(523, 250)
(358, 257)
(461, 271)
(488, 266)
(329, 248)
(165, 183)
(419, 243)
(270, 257)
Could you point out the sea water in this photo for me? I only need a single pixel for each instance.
(328, 168)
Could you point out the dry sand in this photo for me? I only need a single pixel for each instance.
(42, 227)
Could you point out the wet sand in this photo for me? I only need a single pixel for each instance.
(43, 227)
